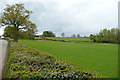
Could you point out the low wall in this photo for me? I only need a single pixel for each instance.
(3, 56)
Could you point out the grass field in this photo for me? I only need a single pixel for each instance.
(71, 38)
(97, 57)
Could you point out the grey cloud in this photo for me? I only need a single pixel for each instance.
(77, 17)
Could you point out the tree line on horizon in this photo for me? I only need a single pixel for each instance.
(52, 34)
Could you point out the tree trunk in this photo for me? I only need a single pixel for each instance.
(16, 39)
(16, 34)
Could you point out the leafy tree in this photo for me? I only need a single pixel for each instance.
(107, 36)
(100, 36)
(78, 35)
(17, 16)
(26, 35)
(118, 35)
(92, 37)
(48, 34)
(73, 35)
(9, 32)
(62, 34)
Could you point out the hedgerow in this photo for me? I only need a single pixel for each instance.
(27, 63)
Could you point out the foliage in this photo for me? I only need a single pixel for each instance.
(62, 34)
(92, 37)
(95, 57)
(26, 35)
(73, 35)
(9, 32)
(17, 17)
(48, 34)
(78, 35)
(25, 62)
(107, 36)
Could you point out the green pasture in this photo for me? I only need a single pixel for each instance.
(72, 38)
(97, 57)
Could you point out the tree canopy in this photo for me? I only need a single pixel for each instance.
(78, 35)
(48, 34)
(107, 36)
(17, 17)
(73, 35)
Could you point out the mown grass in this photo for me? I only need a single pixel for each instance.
(97, 57)
(72, 38)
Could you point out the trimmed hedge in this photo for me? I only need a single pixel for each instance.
(27, 63)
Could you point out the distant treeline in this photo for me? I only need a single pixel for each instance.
(107, 36)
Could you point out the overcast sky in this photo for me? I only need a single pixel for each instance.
(70, 16)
